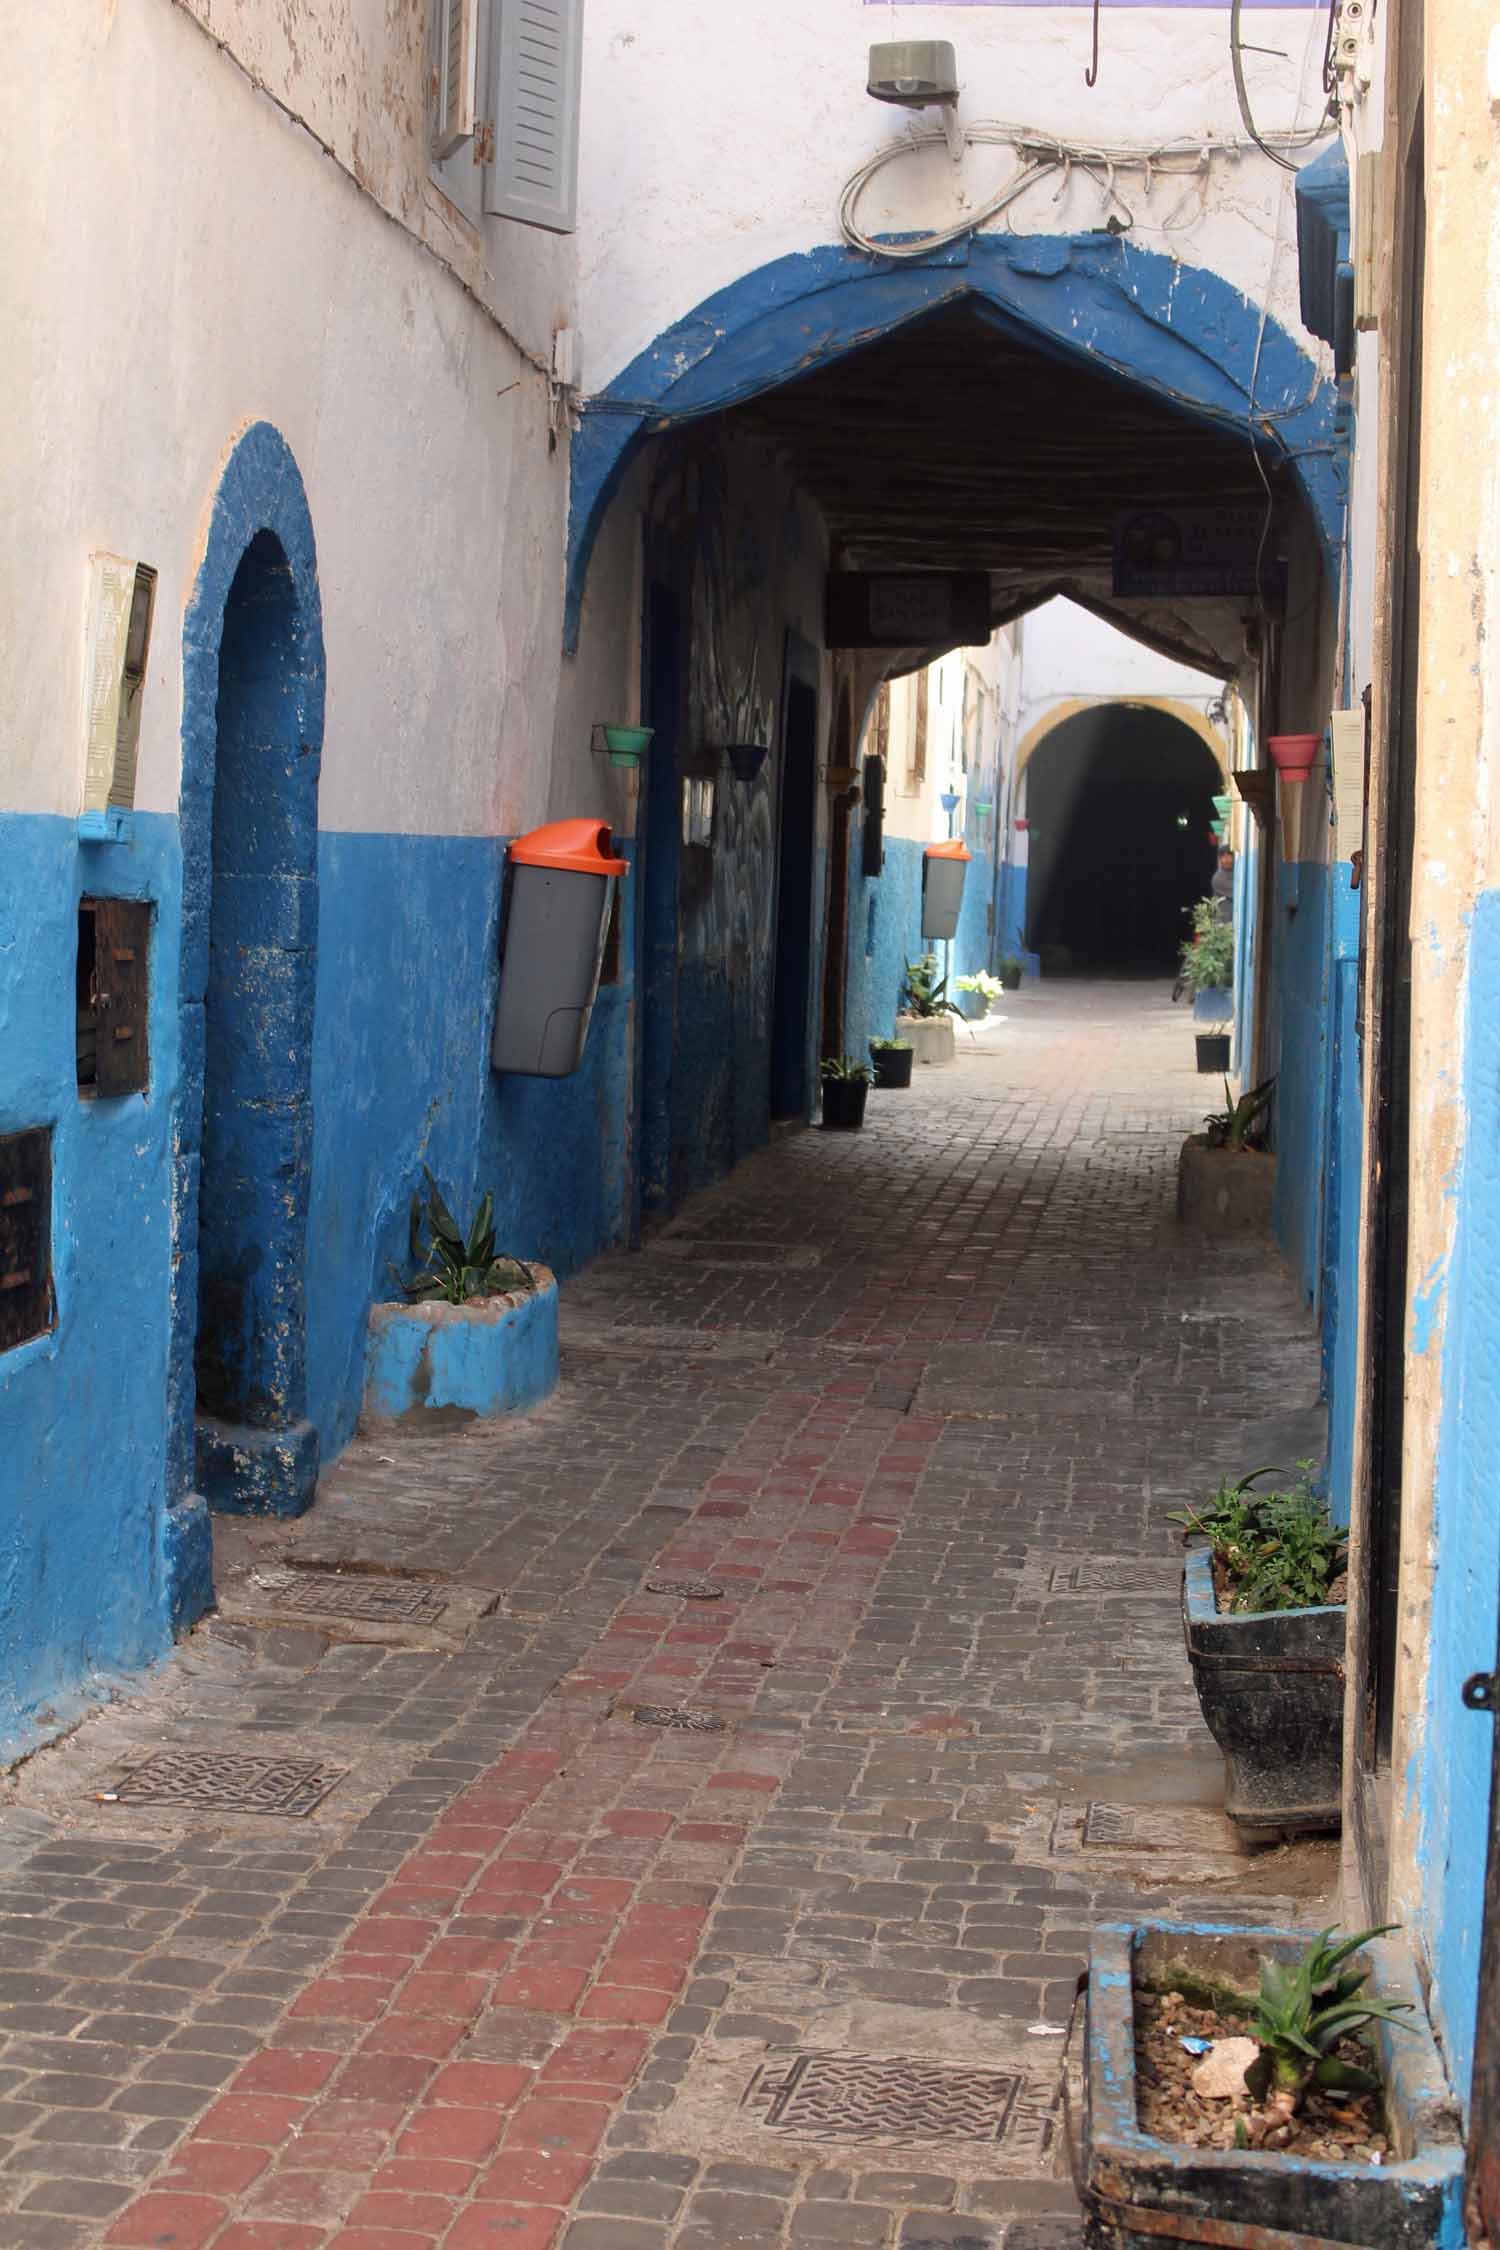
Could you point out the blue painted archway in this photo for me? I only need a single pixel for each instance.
(1178, 331)
(252, 738)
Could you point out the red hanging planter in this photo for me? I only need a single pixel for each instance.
(1295, 755)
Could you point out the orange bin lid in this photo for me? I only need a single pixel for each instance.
(580, 845)
(951, 850)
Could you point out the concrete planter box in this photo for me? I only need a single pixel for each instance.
(1271, 1688)
(1140, 2191)
(932, 1038)
(430, 1366)
(1223, 1190)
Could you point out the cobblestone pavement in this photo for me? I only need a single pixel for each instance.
(859, 1473)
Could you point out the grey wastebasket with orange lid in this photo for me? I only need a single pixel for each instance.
(560, 886)
(943, 868)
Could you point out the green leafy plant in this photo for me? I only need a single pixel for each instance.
(982, 982)
(1244, 1123)
(891, 1046)
(1302, 2013)
(1011, 965)
(453, 1267)
(844, 1070)
(1280, 1550)
(923, 990)
(1208, 955)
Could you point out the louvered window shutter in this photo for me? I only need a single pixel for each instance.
(455, 60)
(538, 62)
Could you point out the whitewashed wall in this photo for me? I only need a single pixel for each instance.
(717, 141)
(191, 261)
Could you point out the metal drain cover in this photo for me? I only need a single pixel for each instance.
(208, 1781)
(376, 1599)
(679, 1715)
(686, 1589)
(878, 2098)
(1114, 1578)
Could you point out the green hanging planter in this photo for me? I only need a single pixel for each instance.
(1222, 805)
(626, 745)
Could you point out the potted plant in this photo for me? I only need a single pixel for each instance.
(926, 1014)
(1207, 972)
(1226, 1174)
(893, 1059)
(981, 987)
(1263, 1613)
(1010, 967)
(1249, 2087)
(474, 1334)
(845, 1086)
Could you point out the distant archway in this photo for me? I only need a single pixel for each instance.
(1119, 801)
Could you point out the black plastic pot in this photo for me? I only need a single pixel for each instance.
(1213, 1051)
(1011, 979)
(844, 1104)
(1271, 1688)
(892, 1067)
(1142, 2193)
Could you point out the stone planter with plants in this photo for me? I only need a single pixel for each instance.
(1226, 1176)
(892, 1059)
(1264, 1595)
(845, 1083)
(1245, 2087)
(475, 1334)
(983, 991)
(926, 1017)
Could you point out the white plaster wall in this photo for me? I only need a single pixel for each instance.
(715, 142)
(190, 262)
(1069, 652)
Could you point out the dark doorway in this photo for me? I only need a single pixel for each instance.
(256, 1452)
(662, 672)
(1119, 803)
(790, 1093)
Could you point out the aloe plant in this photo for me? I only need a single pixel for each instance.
(923, 992)
(1302, 2013)
(453, 1267)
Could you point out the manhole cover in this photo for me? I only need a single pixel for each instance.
(686, 1589)
(679, 1715)
(1104, 1577)
(208, 1781)
(874, 2098)
(377, 1600)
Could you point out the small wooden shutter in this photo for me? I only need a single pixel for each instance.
(455, 69)
(538, 62)
(122, 931)
(25, 1235)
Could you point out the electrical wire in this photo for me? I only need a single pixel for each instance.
(1042, 156)
(1242, 97)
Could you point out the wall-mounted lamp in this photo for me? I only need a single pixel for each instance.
(623, 746)
(919, 74)
(747, 758)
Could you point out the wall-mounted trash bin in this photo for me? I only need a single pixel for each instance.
(943, 888)
(558, 893)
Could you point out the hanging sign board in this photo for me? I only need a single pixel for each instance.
(907, 609)
(1185, 551)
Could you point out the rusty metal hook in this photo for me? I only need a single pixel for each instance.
(1091, 75)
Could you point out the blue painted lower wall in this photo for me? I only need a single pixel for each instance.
(1452, 1774)
(1301, 985)
(90, 1556)
(82, 1409)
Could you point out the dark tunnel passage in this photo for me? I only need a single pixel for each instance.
(1119, 804)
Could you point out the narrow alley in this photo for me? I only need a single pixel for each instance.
(693, 1797)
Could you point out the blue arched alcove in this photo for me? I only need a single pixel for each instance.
(252, 734)
(1175, 330)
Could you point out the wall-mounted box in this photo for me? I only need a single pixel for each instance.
(943, 869)
(113, 987)
(26, 1307)
(121, 599)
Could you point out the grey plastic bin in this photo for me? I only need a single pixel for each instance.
(559, 891)
(943, 868)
